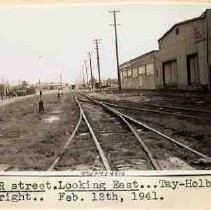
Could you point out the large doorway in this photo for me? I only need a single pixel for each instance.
(170, 73)
(210, 75)
(193, 69)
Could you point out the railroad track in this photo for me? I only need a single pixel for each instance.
(121, 142)
(180, 108)
(83, 138)
(200, 113)
(116, 156)
(197, 114)
(197, 156)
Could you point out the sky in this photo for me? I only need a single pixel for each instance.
(47, 41)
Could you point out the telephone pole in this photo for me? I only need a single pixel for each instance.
(90, 66)
(87, 79)
(207, 37)
(97, 41)
(82, 69)
(116, 45)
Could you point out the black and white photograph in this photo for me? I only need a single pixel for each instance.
(115, 87)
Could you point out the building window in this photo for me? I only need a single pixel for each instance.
(129, 73)
(135, 72)
(124, 74)
(141, 81)
(141, 69)
(150, 69)
(177, 31)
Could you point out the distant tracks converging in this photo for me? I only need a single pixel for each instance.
(130, 126)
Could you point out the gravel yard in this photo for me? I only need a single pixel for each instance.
(194, 133)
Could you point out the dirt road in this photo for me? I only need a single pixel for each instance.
(30, 140)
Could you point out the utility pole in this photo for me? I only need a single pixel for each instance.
(90, 65)
(97, 41)
(116, 45)
(83, 76)
(87, 79)
(60, 76)
(207, 37)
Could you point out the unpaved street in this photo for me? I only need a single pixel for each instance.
(30, 140)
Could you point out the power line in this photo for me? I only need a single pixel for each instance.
(97, 41)
(116, 45)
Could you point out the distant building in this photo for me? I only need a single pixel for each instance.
(55, 86)
(48, 86)
(139, 73)
(2, 90)
(183, 60)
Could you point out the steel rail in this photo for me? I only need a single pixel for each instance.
(99, 148)
(66, 144)
(156, 131)
(168, 137)
(156, 112)
(179, 108)
(145, 148)
(101, 152)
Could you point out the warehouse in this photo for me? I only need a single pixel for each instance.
(184, 54)
(139, 72)
(183, 60)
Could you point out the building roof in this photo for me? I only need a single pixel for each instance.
(182, 23)
(139, 57)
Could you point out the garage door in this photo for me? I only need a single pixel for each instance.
(193, 69)
(170, 73)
